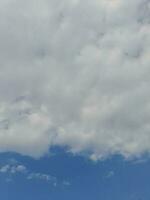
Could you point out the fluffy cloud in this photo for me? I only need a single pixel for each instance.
(13, 169)
(43, 177)
(75, 73)
(10, 170)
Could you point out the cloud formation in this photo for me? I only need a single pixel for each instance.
(75, 73)
(11, 170)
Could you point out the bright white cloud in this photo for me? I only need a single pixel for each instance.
(13, 169)
(75, 73)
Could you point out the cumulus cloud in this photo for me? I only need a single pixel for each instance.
(75, 73)
(43, 177)
(13, 169)
(4, 169)
(10, 170)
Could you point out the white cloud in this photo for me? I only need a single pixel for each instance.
(10, 171)
(66, 183)
(110, 174)
(42, 177)
(18, 169)
(4, 169)
(39, 176)
(13, 169)
(75, 73)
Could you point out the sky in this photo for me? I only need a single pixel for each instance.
(74, 99)
(63, 176)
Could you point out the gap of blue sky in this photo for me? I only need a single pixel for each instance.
(77, 178)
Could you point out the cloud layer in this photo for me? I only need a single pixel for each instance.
(75, 73)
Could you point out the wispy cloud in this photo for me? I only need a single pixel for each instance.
(110, 174)
(42, 177)
(11, 170)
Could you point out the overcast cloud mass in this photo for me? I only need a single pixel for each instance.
(75, 73)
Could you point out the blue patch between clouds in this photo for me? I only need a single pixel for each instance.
(111, 179)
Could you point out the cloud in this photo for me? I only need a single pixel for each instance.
(75, 73)
(110, 174)
(66, 183)
(18, 169)
(43, 177)
(13, 169)
(4, 169)
(39, 176)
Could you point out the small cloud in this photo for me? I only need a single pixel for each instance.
(66, 183)
(39, 176)
(13, 169)
(4, 169)
(42, 177)
(110, 174)
(93, 157)
(18, 169)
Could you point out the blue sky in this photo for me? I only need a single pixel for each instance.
(74, 99)
(77, 178)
